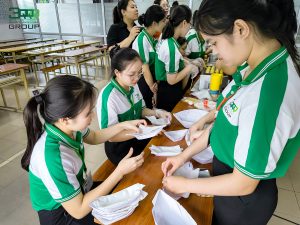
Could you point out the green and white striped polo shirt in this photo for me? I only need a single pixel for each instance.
(257, 129)
(195, 45)
(115, 104)
(169, 59)
(144, 44)
(56, 168)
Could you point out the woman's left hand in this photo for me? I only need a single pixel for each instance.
(174, 184)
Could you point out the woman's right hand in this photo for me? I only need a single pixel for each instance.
(134, 32)
(129, 164)
(169, 166)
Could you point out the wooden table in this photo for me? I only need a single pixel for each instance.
(25, 42)
(6, 79)
(15, 40)
(150, 174)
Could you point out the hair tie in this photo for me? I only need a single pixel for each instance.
(37, 96)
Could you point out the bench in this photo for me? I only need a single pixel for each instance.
(103, 172)
(46, 70)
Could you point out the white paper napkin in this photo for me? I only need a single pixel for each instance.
(204, 93)
(167, 211)
(176, 135)
(158, 121)
(165, 150)
(147, 131)
(188, 171)
(205, 156)
(111, 208)
(188, 117)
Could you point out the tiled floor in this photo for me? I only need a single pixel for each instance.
(15, 207)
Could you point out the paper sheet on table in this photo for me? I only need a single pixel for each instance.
(147, 131)
(188, 117)
(204, 157)
(188, 171)
(111, 208)
(167, 211)
(202, 94)
(158, 121)
(176, 135)
(165, 150)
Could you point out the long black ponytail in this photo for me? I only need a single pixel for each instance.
(272, 18)
(64, 97)
(179, 14)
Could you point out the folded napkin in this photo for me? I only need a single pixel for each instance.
(187, 171)
(176, 135)
(188, 117)
(111, 208)
(167, 211)
(158, 121)
(165, 150)
(148, 131)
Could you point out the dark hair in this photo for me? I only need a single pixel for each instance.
(217, 17)
(157, 2)
(154, 13)
(179, 14)
(63, 97)
(117, 13)
(194, 18)
(181, 40)
(122, 58)
(175, 3)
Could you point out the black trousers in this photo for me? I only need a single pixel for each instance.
(60, 216)
(253, 209)
(168, 95)
(115, 151)
(146, 92)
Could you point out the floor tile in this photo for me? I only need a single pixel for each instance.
(295, 166)
(9, 148)
(295, 179)
(277, 221)
(285, 182)
(7, 129)
(18, 136)
(9, 173)
(287, 205)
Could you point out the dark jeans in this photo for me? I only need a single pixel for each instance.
(253, 209)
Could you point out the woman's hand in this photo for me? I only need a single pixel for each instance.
(163, 114)
(169, 166)
(154, 88)
(174, 184)
(127, 164)
(134, 32)
(133, 125)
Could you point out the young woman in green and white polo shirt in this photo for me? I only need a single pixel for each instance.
(145, 44)
(121, 100)
(57, 123)
(255, 135)
(171, 70)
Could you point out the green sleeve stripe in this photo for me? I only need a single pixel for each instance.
(141, 48)
(172, 56)
(104, 106)
(270, 100)
(61, 200)
(247, 173)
